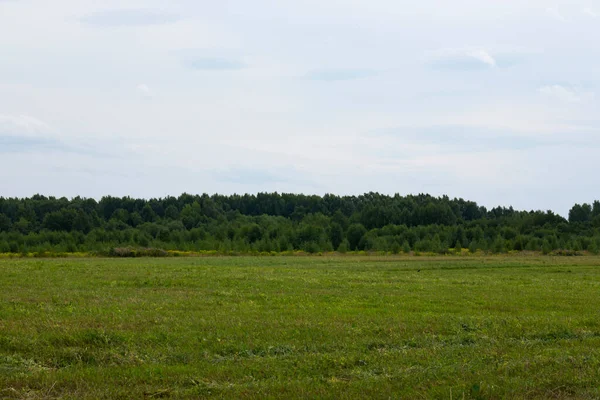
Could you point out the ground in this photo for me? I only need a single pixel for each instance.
(300, 327)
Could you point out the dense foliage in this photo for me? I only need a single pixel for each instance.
(282, 222)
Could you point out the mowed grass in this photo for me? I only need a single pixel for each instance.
(338, 328)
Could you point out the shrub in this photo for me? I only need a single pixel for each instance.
(132, 252)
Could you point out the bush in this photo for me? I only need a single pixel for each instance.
(132, 252)
(344, 246)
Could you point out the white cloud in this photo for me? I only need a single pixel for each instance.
(462, 58)
(483, 56)
(566, 94)
(145, 90)
(590, 12)
(555, 13)
(129, 17)
(22, 125)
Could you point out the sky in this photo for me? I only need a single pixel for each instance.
(496, 102)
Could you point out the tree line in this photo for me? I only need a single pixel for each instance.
(272, 222)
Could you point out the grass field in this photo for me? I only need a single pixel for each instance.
(296, 327)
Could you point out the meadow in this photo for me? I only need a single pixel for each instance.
(517, 327)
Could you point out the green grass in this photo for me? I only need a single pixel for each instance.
(338, 327)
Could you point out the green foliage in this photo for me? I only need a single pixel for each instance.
(355, 235)
(289, 222)
(336, 234)
(344, 247)
(546, 247)
(129, 252)
(580, 213)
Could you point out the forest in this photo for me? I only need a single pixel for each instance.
(273, 222)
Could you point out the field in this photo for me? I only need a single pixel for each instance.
(300, 327)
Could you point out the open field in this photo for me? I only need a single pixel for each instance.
(296, 327)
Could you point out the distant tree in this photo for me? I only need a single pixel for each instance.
(580, 213)
(191, 215)
(498, 246)
(339, 218)
(136, 219)
(460, 238)
(344, 247)
(83, 222)
(171, 212)
(458, 247)
(22, 225)
(596, 209)
(405, 247)
(437, 245)
(355, 234)
(121, 215)
(594, 246)
(5, 223)
(473, 247)
(336, 235)
(273, 222)
(148, 214)
(252, 233)
(60, 220)
(546, 247)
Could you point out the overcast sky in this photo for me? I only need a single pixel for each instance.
(494, 101)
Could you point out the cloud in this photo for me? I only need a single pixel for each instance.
(330, 75)
(462, 59)
(19, 133)
(144, 90)
(129, 17)
(214, 64)
(590, 12)
(263, 176)
(19, 144)
(555, 13)
(248, 176)
(22, 125)
(566, 94)
(483, 56)
(23, 133)
(464, 138)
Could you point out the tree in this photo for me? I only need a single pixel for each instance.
(406, 247)
(546, 247)
(499, 245)
(596, 209)
(120, 215)
(60, 220)
(355, 234)
(473, 247)
(275, 222)
(148, 214)
(252, 233)
(172, 212)
(191, 215)
(5, 223)
(22, 225)
(580, 213)
(395, 248)
(336, 235)
(460, 238)
(344, 246)
(458, 248)
(136, 219)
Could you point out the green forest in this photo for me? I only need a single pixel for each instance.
(272, 222)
